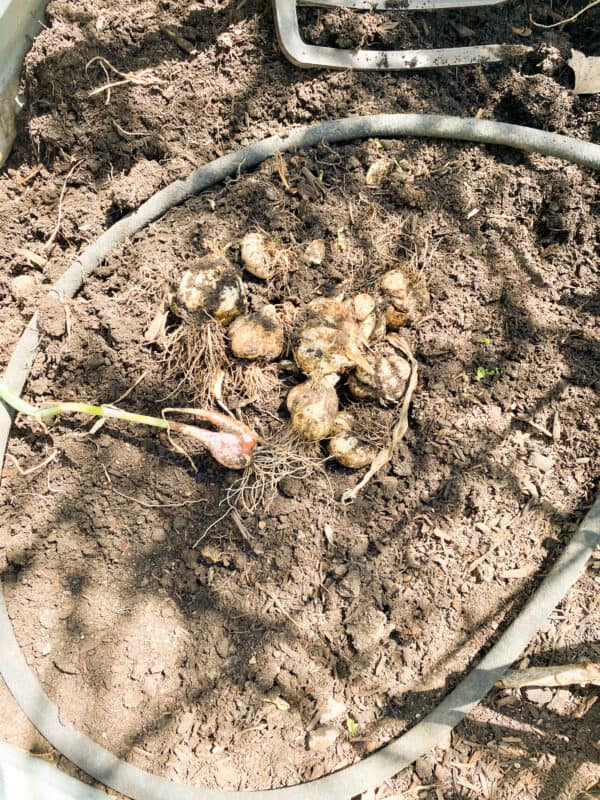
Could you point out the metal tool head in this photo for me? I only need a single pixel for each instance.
(303, 54)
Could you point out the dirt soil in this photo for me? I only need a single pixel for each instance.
(204, 647)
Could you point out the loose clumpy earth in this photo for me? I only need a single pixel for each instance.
(204, 645)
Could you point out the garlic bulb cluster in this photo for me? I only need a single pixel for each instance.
(335, 337)
(212, 286)
(330, 341)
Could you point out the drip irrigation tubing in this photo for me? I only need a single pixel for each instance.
(375, 769)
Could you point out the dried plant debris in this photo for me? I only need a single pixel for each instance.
(563, 675)
(587, 73)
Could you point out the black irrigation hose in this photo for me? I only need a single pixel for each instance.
(372, 771)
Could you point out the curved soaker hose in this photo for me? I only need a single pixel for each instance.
(372, 771)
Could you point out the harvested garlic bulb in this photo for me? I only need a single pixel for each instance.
(386, 381)
(212, 286)
(394, 283)
(403, 305)
(330, 342)
(350, 452)
(257, 335)
(258, 255)
(313, 406)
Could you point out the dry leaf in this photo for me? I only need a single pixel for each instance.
(30, 256)
(378, 171)
(156, 332)
(562, 675)
(283, 174)
(522, 31)
(278, 701)
(587, 73)
(519, 572)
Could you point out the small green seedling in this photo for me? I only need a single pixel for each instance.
(486, 340)
(481, 373)
(341, 238)
(351, 725)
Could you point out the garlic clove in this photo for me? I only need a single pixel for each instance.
(386, 381)
(257, 335)
(313, 407)
(361, 306)
(394, 283)
(361, 309)
(315, 252)
(342, 423)
(257, 254)
(350, 452)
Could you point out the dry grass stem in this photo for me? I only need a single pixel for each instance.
(56, 230)
(142, 78)
(564, 21)
(31, 470)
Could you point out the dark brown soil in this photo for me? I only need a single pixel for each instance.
(171, 634)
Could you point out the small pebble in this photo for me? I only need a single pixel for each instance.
(539, 696)
(322, 737)
(333, 709)
(541, 462)
(22, 286)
